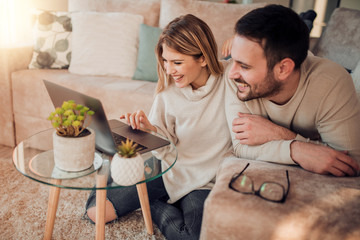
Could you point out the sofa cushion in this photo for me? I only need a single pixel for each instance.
(52, 35)
(105, 43)
(149, 9)
(317, 206)
(146, 61)
(220, 17)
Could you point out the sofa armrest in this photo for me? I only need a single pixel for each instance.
(11, 60)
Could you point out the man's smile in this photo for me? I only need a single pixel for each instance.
(241, 84)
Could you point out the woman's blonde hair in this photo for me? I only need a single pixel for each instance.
(190, 36)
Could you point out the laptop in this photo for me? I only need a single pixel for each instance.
(108, 134)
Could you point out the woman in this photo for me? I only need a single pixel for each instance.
(188, 109)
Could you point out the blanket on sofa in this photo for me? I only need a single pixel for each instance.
(317, 206)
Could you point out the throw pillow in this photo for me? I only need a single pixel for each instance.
(220, 17)
(105, 43)
(52, 34)
(146, 68)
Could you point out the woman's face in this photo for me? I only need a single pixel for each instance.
(183, 69)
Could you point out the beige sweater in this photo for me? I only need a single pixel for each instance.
(194, 120)
(324, 109)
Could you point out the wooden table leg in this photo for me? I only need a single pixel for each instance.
(52, 208)
(101, 181)
(145, 206)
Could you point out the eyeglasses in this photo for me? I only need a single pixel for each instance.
(270, 191)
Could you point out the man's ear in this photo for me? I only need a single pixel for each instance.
(284, 68)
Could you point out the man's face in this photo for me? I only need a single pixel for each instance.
(249, 71)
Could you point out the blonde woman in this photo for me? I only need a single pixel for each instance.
(189, 110)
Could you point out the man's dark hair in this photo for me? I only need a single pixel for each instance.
(279, 30)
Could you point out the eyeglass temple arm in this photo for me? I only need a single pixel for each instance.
(233, 179)
(288, 181)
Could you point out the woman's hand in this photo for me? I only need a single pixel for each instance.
(226, 48)
(138, 120)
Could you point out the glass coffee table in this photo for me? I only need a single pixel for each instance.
(34, 158)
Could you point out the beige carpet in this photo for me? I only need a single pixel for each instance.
(23, 205)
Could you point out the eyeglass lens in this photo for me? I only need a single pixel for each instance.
(268, 190)
(272, 191)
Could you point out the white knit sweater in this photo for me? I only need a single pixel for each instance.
(194, 120)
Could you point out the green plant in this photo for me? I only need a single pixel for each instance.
(69, 119)
(128, 149)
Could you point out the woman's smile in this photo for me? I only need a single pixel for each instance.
(177, 78)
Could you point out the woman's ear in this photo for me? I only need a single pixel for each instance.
(284, 68)
(202, 61)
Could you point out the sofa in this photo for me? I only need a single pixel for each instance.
(311, 211)
(24, 100)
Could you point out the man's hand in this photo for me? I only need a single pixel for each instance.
(256, 130)
(323, 160)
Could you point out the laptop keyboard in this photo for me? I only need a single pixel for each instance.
(118, 138)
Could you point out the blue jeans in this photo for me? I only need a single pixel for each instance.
(181, 220)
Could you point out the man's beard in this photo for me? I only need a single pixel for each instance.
(268, 88)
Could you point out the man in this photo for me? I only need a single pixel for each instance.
(287, 107)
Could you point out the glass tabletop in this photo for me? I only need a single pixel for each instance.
(34, 158)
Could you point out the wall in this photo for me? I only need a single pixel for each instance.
(55, 5)
(354, 4)
(302, 6)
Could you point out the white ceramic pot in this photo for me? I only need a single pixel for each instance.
(127, 171)
(74, 154)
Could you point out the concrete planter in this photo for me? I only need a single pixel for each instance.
(74, 154)
(127, 171)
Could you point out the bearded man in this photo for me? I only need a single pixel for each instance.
(286, 106)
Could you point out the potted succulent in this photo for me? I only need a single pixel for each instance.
(127, 165)
(73, 141)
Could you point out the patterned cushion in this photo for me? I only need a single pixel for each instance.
(52, 34)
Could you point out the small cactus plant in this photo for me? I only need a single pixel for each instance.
(69, 119)
(127, 166)
(128, 149)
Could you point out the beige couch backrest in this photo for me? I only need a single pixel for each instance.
(150, 9)
(220, 17)
(158, 13)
